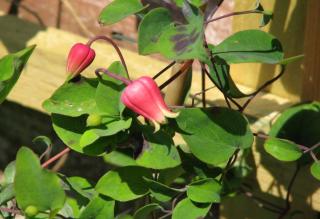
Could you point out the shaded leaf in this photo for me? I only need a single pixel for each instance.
(92, 135)
(9, 172)
(82, 186)
(187, 209)
(145, 211)
(120, 158)
(204, 191)
(150, 29)
(213, 135)
(109, 90)
(315, 170)
(6, 193)
(159, 152)
(124, 183)
(99, 208)
(160, 191)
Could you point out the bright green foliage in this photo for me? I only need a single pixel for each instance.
(35, 186)
(250, 46)
(161, 192)
(204, 191)
(283, 150)
(100, 207)
(159, 152)
(150, 29)
(124, 183)
(221, 133)
(315, 170)
(11, 67)
(187, 209)
(118, 10)
(146, 210)
(67, 101)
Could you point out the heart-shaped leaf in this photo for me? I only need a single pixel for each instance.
(213, 135)
(73, 98)
(35, 186)
(124, 183)
(151, 28)
(250, 46)
(187, 209)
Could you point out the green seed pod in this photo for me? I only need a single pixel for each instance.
(31, 211)
(94, 120)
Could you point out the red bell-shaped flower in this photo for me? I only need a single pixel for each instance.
(79, 58)
(144, 97)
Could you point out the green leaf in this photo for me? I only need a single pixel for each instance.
(70, 130)
(6, 193)
(118, 10)
(9, 172)
(124, 183)
(70, 209)
(159, 152)
(161, 192)
(182, 42)
(35, 186)
(299, 124)
(214, 134)
(145, 211)
(82, 186)
(120, 158)
(220, 74)
(99, 208)
(11, 67)
(196, 3)
(151, 27)
(315, 170)
(204, 191)
(43, 139)
(73, 98)
(250, 46)
(187, 209)
(92, 135)
(109, 90)
(283, 150)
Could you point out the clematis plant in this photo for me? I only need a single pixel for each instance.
(188, 167)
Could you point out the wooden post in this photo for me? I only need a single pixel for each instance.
(311, 78)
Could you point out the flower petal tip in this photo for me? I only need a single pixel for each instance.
(170, 114)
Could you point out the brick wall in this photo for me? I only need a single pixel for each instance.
(57, 14)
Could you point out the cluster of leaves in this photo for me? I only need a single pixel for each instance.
(183, 180)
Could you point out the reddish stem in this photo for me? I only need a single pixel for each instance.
(56, 157)
(115, 46)
(112, 75)
(234, 14)
(9, 210)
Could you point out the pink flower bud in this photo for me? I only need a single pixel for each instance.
(79, 58)
(144, 97)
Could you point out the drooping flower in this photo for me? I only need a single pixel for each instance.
(79, 58)
(143, 96)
